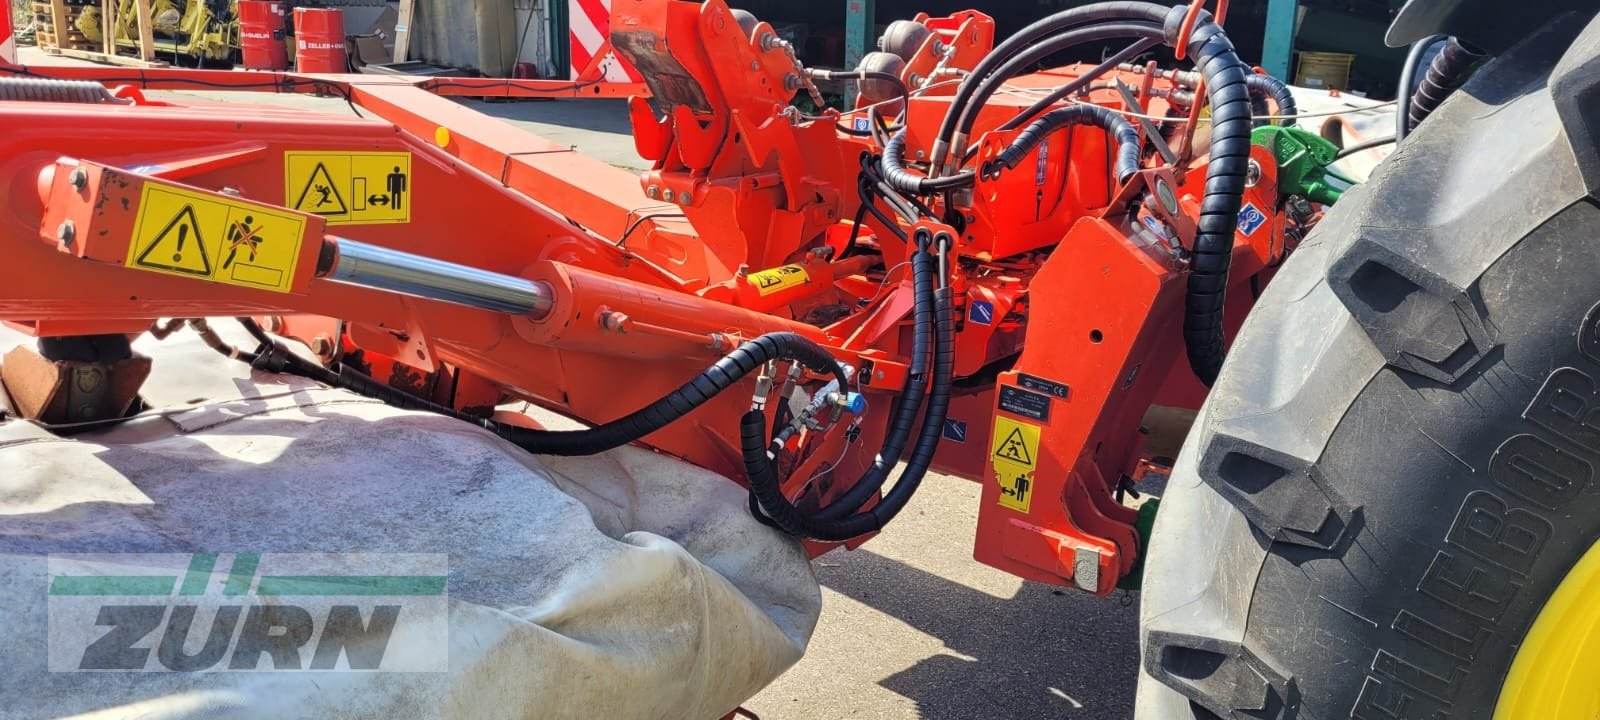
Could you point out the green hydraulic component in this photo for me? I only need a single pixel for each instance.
(1144, 524)
(1303, 160)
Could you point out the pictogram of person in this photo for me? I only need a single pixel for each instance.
(397, 189)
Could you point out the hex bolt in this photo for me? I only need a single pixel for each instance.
(791, 82)
(67, 233)
(652, 192)
(614, 321)
(1252, 174)
(79, 178)
(684, 198)
(322, 346)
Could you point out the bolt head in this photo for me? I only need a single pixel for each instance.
(684, 198)
(67, 233)
(79, 178)
(652, 192)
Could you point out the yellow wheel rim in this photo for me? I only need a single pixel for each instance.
(1554, 674)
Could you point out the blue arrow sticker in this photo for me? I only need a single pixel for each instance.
(955, 430)
(982, 312)
(1251, 219)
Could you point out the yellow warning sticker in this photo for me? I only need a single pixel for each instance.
(179, 232)
(1016, 442)
(1014, 452)
(768, 282)
(350, 188)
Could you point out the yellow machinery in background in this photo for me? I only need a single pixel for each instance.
(193, 32)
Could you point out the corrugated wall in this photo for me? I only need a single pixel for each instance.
(486, 35)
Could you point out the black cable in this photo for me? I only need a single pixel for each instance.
(1450, 69)
(215, 342)
(1227, 166)
(635, 225)
(1408, 81)
(1269, 86)
(1028, 36)
(855, 228)
(1129, 144)
(839, 521)
(1081, 82)
(1364, 145)
(1027, 59)
(634, 426)
(900, 178)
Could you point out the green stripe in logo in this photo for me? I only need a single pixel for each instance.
(350, 585)
(194, 581)
(112, 585)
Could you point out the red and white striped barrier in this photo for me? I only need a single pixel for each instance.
(589, 37)
(8, 38)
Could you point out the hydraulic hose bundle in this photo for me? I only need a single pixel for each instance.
(925, 399)
(844, 518)
(1228, 85)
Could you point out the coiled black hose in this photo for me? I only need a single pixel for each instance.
(841, 520)
(1228, 90)
(1120, 130)
(1408, 83)
(1449, 70)
(1269, 86)
(924, 329)
(907, 181)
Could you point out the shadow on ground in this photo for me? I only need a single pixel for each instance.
(1045, 652)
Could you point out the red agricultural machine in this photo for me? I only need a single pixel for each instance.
(1028, 278)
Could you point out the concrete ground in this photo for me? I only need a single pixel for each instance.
(912, 626)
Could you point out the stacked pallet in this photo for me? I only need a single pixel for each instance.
(58, 33)
(53, 36)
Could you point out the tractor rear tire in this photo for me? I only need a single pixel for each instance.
(1396, 469)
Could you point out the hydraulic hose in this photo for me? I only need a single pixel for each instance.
(907, 181)
(862, 75)
(1027, 37)
(1120, 130)
(1449, 70)
(1229, 161)
(1023, 61)
(1082, 81)
(727, 372)
(924, 330)
(732, 368)
(1408, 82)
(1269, 86)
(766, 486)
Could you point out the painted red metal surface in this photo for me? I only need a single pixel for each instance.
(1068, 294)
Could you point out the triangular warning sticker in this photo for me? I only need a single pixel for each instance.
(321, 194)
(1015, 448)
(179, 247)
